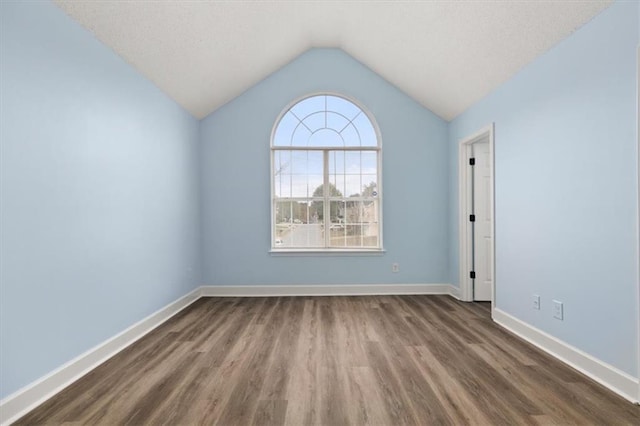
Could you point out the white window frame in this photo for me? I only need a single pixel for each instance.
(378, 149)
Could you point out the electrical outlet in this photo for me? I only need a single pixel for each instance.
(536, 302)
(395, 267)
(557, 310)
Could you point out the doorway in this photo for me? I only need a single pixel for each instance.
(476, 217)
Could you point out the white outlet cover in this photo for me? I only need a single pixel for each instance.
(558, 310)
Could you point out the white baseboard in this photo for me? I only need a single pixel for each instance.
(24, 400)
(454, 292)
(609, 376)
(324, 290)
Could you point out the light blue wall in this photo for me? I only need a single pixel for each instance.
(566, 188)
(99, 194)
(235, 182)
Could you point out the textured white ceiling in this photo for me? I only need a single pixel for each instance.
(444, 54)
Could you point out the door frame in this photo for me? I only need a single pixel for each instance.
(638, 206)
(464, 204)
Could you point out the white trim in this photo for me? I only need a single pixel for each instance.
(26, 399)
(324, 290)
(454, 292)
(638, 206)
(327, 252)
(464, 230)
(609, 376)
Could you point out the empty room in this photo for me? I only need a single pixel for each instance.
(319, 212)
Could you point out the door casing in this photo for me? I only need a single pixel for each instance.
(464, 209)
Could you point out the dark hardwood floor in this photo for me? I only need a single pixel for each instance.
(383, 360)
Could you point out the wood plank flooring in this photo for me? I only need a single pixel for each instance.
(379, 360)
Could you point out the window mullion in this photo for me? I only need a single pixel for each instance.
(327, 206)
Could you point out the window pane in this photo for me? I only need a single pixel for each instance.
(298, 225)
(369, 186)
(282, 162)
(308, 106)
(305, 177)
(343, 106)
(298, 186)
(352, 162)
(336, 162)
(369, 162)
(305, 235)
(318, 189)
(350, 136)
(359, 212)
(338, 236)
(369, 212)
(315, 121)
(353, 212)
(315, 163)
(330, 112)
(366, 131)
(316, 211)
(288, 212)
(282, 185)
(370, 228)
(282, 135)
(299, 162)
(316, 186)
(354, 223)
(368, 240)
(337, 209)
(354, 235)
(337, 225)
(300, 136)
(326, 138)
(336, 121)
(277, 186)
(338, 185)
(354, 173)
(352, 186)
(283, 212)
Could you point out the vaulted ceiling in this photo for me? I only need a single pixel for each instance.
(444, 54)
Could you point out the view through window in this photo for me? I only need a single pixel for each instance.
(325, 177)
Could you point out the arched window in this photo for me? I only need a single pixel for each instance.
(325, 177)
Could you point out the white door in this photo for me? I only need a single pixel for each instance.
(482, 253)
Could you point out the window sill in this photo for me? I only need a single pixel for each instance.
(326, 252)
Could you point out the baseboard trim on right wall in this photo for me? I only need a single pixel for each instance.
(607, 375)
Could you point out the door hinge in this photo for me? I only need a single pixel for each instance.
(472, 161)
(472, 274)
(472, 218)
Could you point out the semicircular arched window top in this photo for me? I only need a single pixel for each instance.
(326, 178)
(325, 121)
